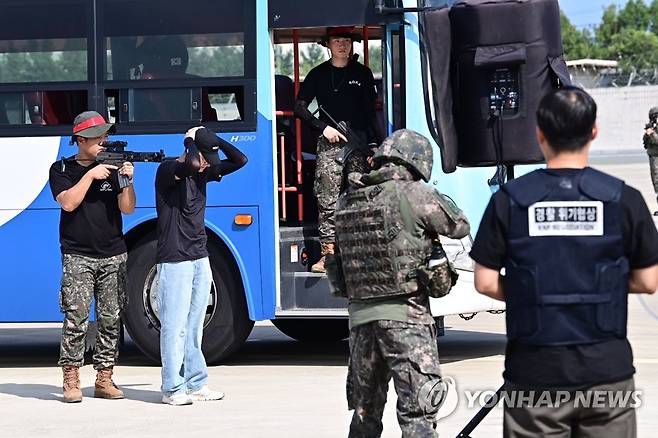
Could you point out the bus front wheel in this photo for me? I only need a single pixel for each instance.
(313, 329)
(226, 325)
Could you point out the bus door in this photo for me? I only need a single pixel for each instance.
(305, 307)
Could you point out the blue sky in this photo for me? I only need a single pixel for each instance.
(584, 13)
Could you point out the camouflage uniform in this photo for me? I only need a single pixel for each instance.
(651, 145)
(330, 181)
(393, 336)
(85, 278)
(385, 349)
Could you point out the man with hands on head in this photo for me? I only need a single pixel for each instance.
(184, 275)
(93, 253)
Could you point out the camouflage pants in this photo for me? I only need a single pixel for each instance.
(378, 351)
(330, 181)
(85, 278)
(653, 167)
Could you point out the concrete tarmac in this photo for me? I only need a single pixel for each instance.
(278, 387)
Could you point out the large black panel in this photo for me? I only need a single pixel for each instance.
(505, 56)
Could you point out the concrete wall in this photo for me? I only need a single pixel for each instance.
(622, 114)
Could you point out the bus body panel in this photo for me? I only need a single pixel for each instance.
(31, 267)
(31, 290)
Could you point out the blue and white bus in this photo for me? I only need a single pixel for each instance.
(157, 67)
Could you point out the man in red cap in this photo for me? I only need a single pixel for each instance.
(93, 253)
(345, 89)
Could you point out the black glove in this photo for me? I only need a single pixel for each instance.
(192, 163)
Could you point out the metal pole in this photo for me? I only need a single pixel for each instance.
(298, 129)
(475, 421)
(366, 57)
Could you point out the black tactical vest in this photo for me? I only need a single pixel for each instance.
(379, 248)
(566, 276)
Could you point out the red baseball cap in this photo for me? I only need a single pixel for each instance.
(91, 124)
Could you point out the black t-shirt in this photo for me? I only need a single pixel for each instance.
(347, 93)
(94, 229)
(575, 365)
(181, 205)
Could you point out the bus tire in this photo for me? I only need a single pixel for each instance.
(314, 329)
(227, 323)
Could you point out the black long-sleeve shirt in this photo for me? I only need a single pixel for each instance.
(346, 93)
(181, 205)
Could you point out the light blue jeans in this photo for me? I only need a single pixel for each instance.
(183, 291)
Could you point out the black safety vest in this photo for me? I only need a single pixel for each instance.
(566, 275)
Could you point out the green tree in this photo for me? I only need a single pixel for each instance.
(628, 35)
(312, 56)
(635, 15)
(635, 49)
(577, 44)
(216, 61)
(283, 61)
(608, 28)
(375, 61)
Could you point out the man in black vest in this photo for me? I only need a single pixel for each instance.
(573, 242)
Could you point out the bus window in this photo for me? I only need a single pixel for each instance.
(179, 76)
(36, 47)
(213, 36)
(227, 103)
(57, 107)
(189, 104)
(12, 109)
(175, 56)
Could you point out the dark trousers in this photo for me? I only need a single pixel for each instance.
(570, 421)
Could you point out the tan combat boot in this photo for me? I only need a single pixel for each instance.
(105, 387)
(327, 248)
(72, 392)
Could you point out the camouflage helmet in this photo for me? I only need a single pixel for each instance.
(408, 148)
(653, 112)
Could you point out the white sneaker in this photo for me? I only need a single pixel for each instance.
(178, 399)
(205, 394)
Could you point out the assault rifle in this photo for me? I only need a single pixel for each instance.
(354, 141)
(114, 154)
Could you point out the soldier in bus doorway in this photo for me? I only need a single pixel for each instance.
(574, 242)
(93, 254)
(345, 90)
(385, 223)
(650, 140)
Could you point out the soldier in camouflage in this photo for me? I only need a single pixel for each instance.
(650, 140)
(93, 254)
(385, 223)
(345, 91)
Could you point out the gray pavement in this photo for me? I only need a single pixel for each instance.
(275, 386)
